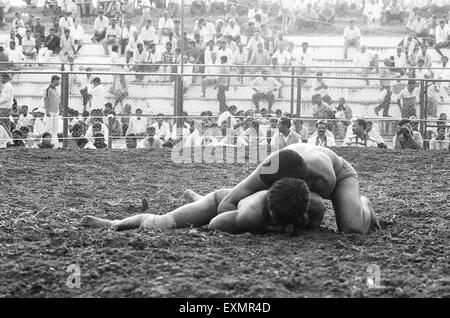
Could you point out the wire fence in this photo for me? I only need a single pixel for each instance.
(258, 92)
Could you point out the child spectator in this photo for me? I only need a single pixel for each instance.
(46, 141)
(99, 141)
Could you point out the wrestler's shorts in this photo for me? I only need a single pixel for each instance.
(346, 171)
(219, 195)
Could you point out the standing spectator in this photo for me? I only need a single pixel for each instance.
(408, 100)
(65, 23)
(373, 132)
(132, 45)
(18, 26)
(211, 68)
(85, 84)
(97, 95)
(25, 118)
(40, 123)
(77, 33)
(308, 17)
(148, 34)
(442, 34)
(406, 138)
(327, 13)
(419, 27)
(223, 83)
(146, 6)
(125, 117)
(52, 104)
(168, 57)
(127, 32)
(240, 58)
(304, 60)
(112, 35)
(352, 37)
(254, 42)
(6, 101)
(100, 25)
(441, 141)
(399, 61)
(385, 86)
(284, 136)
(233, 30)
(29, 45)
(264, 88)
(140, 57)
(322, 136)
(165, 26)
(409, 44)
(206, 30)
(67, 45)
(116, 67)
(96, 127)
(138, 124)
(360, 137)
(366, 62)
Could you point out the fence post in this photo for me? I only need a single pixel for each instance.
(178, 109)
(423, 102)
(110, 120)
(65, 105)
(292, 89)
(299, 103)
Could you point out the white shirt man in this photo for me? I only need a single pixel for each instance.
(154, 57)
(352, 34)
(140, 57)
(194, 139)
(6, 96)
(362, 59)
(207, 32)
(4, 137)
(283, 57)
(442, 33)
(77, 32)
(66, 23)
(133, 41)
(442, 144)
(98, 97)
(400, 60)
(305, 58)
(148, 34)
(90, 134)
(280, 140)
(137, 125)
(40, 126)
(127, 32)
(27, 121)
(224, 116)
(16, 55)
(115, 32)
(100, 25)
(145, 143)
(163, 131)
(240, 58)
(269, 85)
(233, 31)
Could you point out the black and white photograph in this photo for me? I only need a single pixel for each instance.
(246, 151)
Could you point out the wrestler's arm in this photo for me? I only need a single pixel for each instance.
(243, 189)
(316, 210)
(249, 217)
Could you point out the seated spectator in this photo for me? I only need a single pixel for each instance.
(282, 56)
(131, 141)
(79, 140)
(233, 30)
(366, 61)
(441, 141)
(162, 128)
(46, 141)
(425, 56)
(321, 109)
(150, 141)
(259, 57)
(17, 140)
(113, 122)
(99, 141)
(25, 118)
(443, 73)
(254, 135)
(228, 115)
(254, 42)
(97, 127)
(308, 17)
(442, 34)
(198, 8)
(405, 137)
(418, 27)
(140, 57)
(240, 58)
(360, 137)
(138, 124)
(284, 136)
(77, 33)
(408, 100)
(148, 34)
(40, 123)
(412, 59)
(165, 26)
(352, 37)
(327, 13)
(29, 45)
(223, 50)
(67, 45)
(15, 56)
(112, 35)
(194, 139)
(264, 88)
(168, 57)
(101, 23)
(51, 45)
(399, 61)
(275, 70)
(344, 113)
(393, 12)
(322, 136)
(372, 13)
(409, 44)
(373, 132)
(319, 86)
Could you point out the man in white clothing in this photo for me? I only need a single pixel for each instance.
(352, 37)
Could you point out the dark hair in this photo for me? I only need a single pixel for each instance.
(24, 129)
(285, 121)
(46, 135)
(55, 78)
(361, 122)
(99, 134)
(403, 121)
(115, 48)
(288, 201)
(290, 165)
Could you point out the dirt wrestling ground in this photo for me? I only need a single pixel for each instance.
(43, 195)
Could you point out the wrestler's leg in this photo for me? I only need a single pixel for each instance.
(354, 214)
(132, 222)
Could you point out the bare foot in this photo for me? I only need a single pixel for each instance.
(374, 224)
(94, 222)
